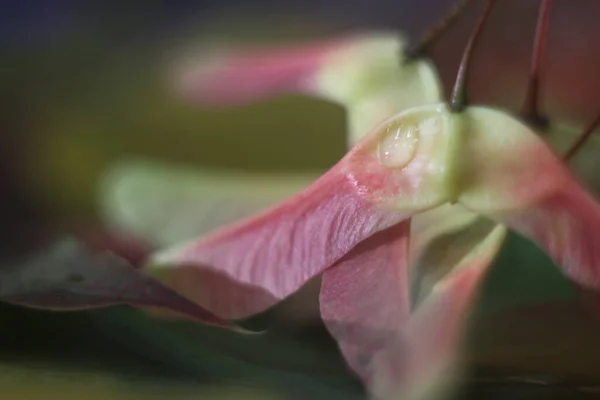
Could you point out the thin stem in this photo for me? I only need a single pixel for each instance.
(458, 99)
(418, 49)
(531, 106)
(585, 135)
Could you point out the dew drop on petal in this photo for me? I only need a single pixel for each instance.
(398, 145)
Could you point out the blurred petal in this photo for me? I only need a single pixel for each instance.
(365, 299)
(422, 362)
(365, 305)
(566, 224)
(370, 72)
(71, 277)
(517, 180)
(244, 75)
(382, 181)
(168, 204)
(346, 70)
(586, 163)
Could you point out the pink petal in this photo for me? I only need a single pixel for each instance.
(364, 302)
(379, 183)
(566, 224)
(515, 178)
(346, 70)
(365, 298)
(423, 363)
(268, 257)
(238, 76)
(71, 277)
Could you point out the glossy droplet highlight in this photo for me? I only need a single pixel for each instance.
(399, 144)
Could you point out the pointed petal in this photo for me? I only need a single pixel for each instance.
(364, 298)
(168, 204)
(566, 225)
(237, 76)
(70, 277)
(364, 304)
(365, 70)
(519, 181)
(427, 363)
(384, 180)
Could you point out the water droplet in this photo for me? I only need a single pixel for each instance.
(399, 144)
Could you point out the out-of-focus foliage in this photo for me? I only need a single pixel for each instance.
(47, 383)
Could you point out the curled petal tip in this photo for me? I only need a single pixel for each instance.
(70, 277)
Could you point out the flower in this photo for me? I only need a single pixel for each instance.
(421, 166)
(425, 170)
(358, 213)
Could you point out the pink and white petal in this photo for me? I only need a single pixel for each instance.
(346, 70)
(566, 225)
(370, 76)
(516, 179)
(364, 298)
(424, 360)
(235, 76)
(249, 267)
(268, 257)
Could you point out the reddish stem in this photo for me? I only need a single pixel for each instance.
(458, 99)
(420, 48)
(531, 106)
(585, 135)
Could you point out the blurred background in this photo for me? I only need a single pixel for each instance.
(84, 85)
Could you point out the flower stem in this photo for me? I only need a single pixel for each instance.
(420, 48)
(458, 99)
(531, 107)
(585, 135)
